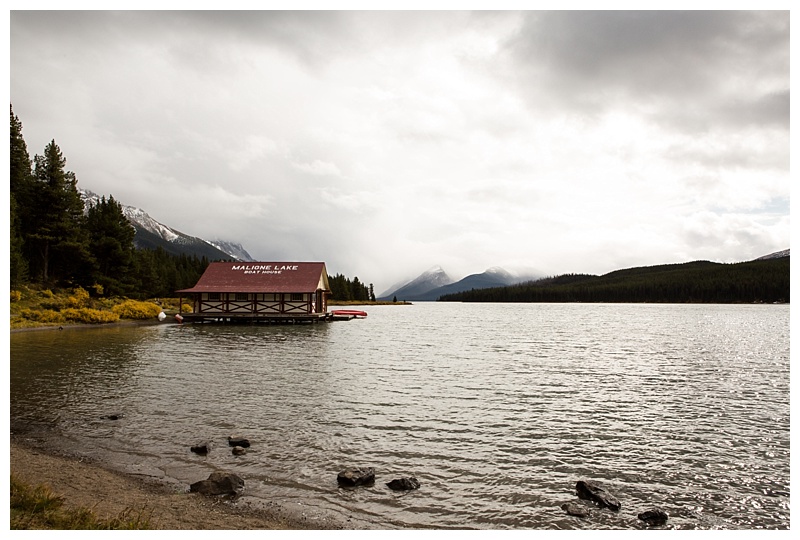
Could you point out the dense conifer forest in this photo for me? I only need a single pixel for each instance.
(56, 242)
(346, 290)
(764, 280)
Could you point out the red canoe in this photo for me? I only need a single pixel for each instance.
(349, 312)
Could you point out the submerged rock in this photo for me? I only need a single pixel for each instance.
(356, 477)
(586, 489)
(575, 509)
(654, 517)
(403, 484)
(218, 483)
(238, 451)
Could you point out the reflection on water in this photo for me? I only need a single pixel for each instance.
(497, 409)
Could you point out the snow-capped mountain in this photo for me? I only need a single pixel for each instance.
(776, 255)
(234, 249)
(493, 277)
(425, 288)
(430, 279)
(151, 234)
(501, 274)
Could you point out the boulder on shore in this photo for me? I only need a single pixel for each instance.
(356, 477)
(403, 484)
(586, 489)
(218, 483)
(654, 517)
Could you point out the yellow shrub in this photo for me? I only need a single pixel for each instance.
(79, 298)
(16, 296)
(90, 316)
(42, 316)
(47, 293)
(186, 308)
(133, 309)
(104, 303)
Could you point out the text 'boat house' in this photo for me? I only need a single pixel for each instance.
(260, 292)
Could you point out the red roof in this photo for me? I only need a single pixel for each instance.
(262, 277)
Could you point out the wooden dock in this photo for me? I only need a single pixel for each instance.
(261, 318)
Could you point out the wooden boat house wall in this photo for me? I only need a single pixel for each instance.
(259, 292)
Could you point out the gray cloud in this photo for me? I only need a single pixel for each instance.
(690, 70)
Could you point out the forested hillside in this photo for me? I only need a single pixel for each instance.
(701, 281)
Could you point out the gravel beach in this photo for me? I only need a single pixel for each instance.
(108, 493)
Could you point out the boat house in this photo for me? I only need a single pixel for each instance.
(283, 292)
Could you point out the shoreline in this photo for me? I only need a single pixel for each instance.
(169, 320)
(146, 322)
(108, 493)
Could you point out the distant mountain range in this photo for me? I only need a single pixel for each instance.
(435, 282)
(762, 280)
(430, 279)
(150, 234)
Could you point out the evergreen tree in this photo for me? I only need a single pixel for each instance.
(18, 264)
(57, 235)
(20, 184)
(358, 291)
(111, 246)
(146, 273)
(20, 178)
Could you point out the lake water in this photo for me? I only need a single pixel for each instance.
(497, 409)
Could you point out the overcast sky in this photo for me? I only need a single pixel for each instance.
(384, 143)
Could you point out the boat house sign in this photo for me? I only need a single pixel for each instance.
(264, 268)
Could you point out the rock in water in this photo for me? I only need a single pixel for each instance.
(356, 477)
(218, 483)
(654, 517)
(575, 509)
(201, 448)
(586, 489)
(238, 441)
(403, 484)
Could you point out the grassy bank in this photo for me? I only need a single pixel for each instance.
(38, 507)
(33, 307)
